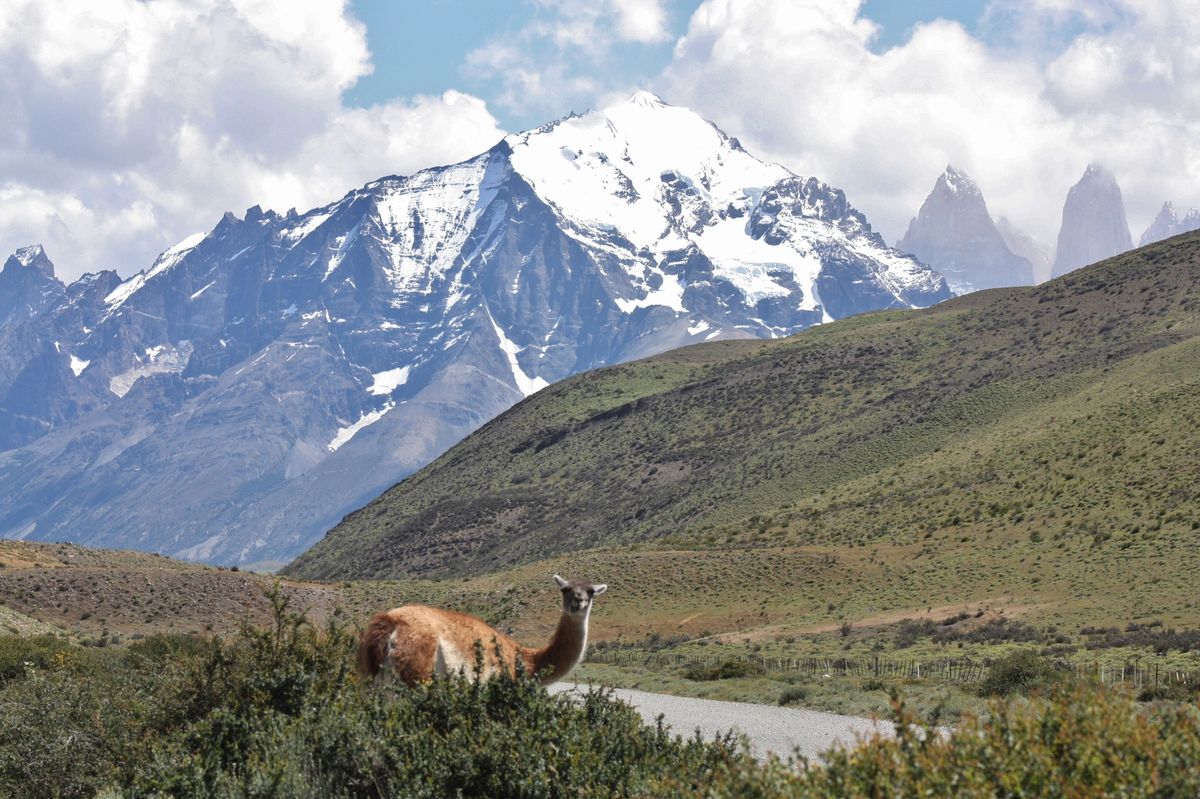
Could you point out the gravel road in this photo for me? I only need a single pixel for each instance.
(781, 730)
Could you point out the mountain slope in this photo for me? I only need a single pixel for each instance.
(954, 233)
(233, 401)
(1065, 413)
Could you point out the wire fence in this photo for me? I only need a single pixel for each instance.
(964, 670)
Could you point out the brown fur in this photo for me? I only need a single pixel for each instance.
(415, 643)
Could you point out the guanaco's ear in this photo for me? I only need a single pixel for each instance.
(599, 588)
(561, 582)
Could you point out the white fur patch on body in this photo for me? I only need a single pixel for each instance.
(448, 660)
(386, 672)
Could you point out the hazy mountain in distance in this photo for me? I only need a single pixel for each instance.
(1038, 253)
(1093, 222)
(954, 233)
(1168, 224)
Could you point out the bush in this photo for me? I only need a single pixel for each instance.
(280, 713)
(1169, 692)
(18, 655)
(793, 695)
(909, 631)
(66, 731)
(1080, 741)
(1019, 673)
(725, 670)
(1143, 635)
(995, 631)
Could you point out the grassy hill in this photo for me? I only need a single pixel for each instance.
(1040, 441)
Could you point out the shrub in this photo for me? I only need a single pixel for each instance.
(1143, 635)
(279, 713)
(65, 732)
(994, 631)
(909, 631)
(793, 695)
(1169, 692)
(1081, 741)
(1019, 673)
(725, 670)
(18, 655)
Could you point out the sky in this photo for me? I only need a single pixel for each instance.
(131, 124)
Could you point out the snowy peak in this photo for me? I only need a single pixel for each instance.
(957, 182)
(1168, 224)
(646, 99)
(649, 187)
(954, 233)
(27, 284)
(32, 257)
(1093, 222)
(605, 171)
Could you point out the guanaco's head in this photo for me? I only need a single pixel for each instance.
(577, 595)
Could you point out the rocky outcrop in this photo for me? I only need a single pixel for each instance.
(954, 233)
(1093, 222)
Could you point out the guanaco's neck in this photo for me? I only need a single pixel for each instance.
(565, 650)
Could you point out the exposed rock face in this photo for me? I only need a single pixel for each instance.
(1038, 253)
(1168, 224)
(954, 233)
(256, 383)
(1093, 222)
(27, 285)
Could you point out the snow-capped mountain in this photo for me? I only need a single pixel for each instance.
(1093, 222)
(257, 382)
(1168, 224)
(954, 233)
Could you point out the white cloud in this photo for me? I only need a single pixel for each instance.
(130, 124)
(642, 21)
(556, 58)
(799, 82)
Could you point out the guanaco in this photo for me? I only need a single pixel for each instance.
(416, 643)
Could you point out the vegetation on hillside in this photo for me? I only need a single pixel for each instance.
(277, 712)
(1002, 436)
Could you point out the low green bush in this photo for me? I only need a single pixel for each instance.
(793, 695)
(279, 713)
(18, 655)
(1081, 741)
(1169, 692)
(724, 670)
(1020, 673)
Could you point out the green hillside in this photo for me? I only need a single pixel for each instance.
(1039, 439)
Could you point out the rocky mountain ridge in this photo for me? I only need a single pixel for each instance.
(1168, 223)
(954, 233)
